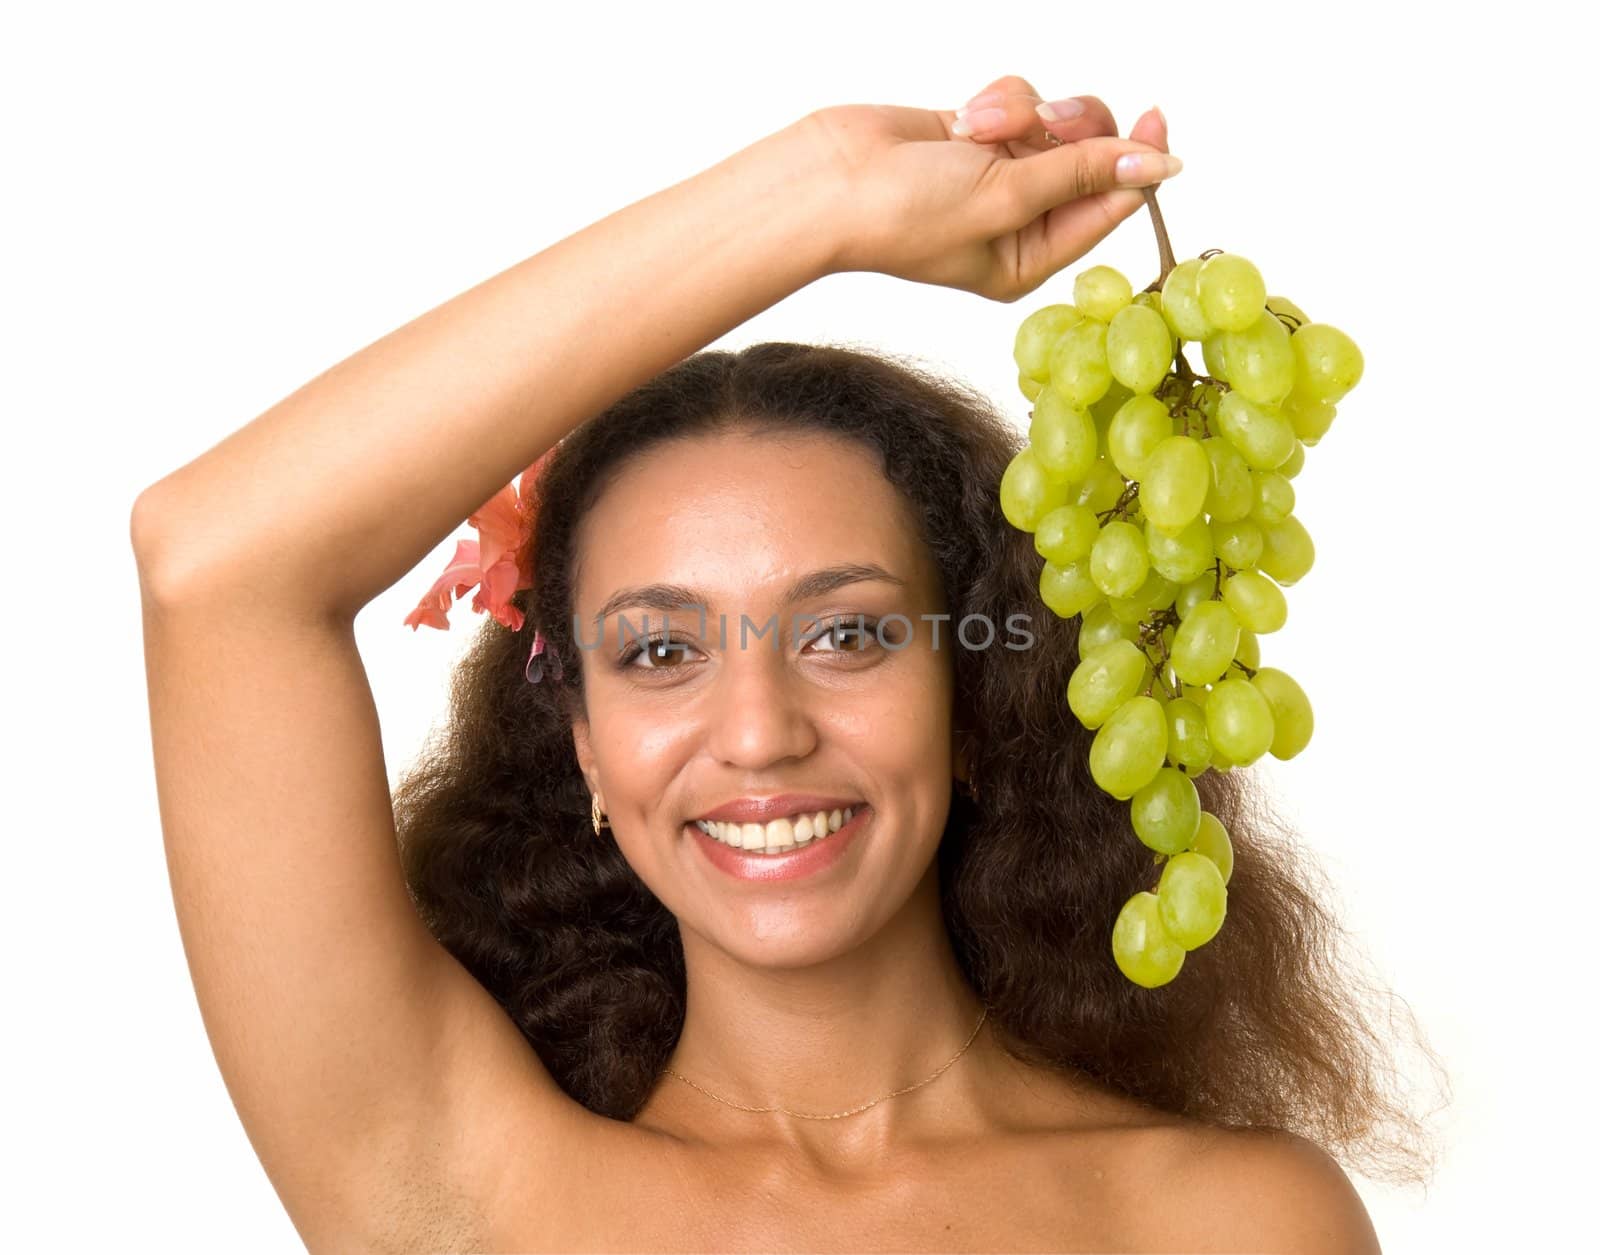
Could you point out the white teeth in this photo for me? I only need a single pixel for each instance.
(780, 834)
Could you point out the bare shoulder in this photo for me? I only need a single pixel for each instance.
(1262, 1190)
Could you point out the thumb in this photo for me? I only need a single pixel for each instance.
(1074, 220)
(1084, 168)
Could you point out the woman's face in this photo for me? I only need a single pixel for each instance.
(725, 527)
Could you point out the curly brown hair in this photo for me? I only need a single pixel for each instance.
(1267, 1026)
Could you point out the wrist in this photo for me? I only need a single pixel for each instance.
(793, 196)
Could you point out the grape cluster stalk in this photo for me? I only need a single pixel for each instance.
(1162, 503)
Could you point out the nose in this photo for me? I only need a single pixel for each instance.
(760, 711)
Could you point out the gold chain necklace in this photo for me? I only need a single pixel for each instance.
(853, 1110)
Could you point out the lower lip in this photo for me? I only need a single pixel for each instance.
(804, 860)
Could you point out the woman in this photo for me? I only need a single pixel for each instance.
(534, 1030)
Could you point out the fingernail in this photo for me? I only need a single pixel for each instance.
(982, 120)
(1059, 110)
(1143, 169)
(981, 99)
(1156, 109)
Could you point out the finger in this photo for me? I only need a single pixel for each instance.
(1019, 117)
(1151, 128)
(1075, 118)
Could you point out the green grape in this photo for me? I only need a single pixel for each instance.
(1177, 476)
(1192, 899)
(1291, 711)
(1238, 721)
(1136, 429)
(1063, 437)
(1101, 488)
(1183, 557)
(1256, 602)
(1156, 593)
(1232, 493)
(1144, 952)
(1208, 397)
(1283, 305)
(1213, 842)
(1105, 679)
(1101, 291)
(1101, 627)
(1261, 434)
(1202, 588)
(1152, 301)
(1028, 492)
(1037, 336)
(1309, 417)
(1296, 462)
(1119, 562)
(1327, 362)
(1215, 353)
(1138, 348)
(1274, 497)
(1221, 762)
(1066, 534)
(1068, 590)
(1205, 644)
(1232, 294)
(1166, 812)
(1286, 551)
(1260, 361)
(1031, 388)
(1249, 651)
(1188, 745)
(1078, 369)
(1238, 544)
(1105, 409)
(1129, 748)
(1180, 303)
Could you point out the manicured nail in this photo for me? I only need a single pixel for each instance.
(983, 98)
(981, 120)
(1143, 169)
(1059, 110)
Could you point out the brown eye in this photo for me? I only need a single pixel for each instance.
(659, 653)
(847, 636)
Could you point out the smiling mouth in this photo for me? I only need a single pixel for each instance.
(780, 835)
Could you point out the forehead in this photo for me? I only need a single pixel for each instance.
(740, 514)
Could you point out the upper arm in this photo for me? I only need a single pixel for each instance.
(357, 1051)
(1270, 1191)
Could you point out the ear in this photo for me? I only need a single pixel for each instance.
(585, 752)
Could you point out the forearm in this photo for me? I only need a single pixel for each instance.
(337, 491)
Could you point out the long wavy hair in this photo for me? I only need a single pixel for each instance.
(1270, 1025)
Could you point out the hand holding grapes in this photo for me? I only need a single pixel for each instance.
(996, 213)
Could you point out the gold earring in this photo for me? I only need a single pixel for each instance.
(595, 815)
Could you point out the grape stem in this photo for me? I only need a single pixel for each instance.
(1162, 242)
(1124, 505)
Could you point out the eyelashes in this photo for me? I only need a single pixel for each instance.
(852, 634)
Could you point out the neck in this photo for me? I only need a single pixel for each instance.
(830, 1037)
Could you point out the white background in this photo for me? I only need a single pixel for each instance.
(210, 204)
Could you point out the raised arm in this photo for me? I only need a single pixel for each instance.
(341, 488)
(380, 1085)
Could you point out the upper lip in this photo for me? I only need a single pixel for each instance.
(760, 810)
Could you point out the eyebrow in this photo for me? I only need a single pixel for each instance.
(670, 597)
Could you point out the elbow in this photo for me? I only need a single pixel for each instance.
(149, 532)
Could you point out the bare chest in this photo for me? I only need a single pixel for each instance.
(992, 1198)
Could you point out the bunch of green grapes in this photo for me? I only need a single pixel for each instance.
(1161, 501)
